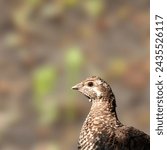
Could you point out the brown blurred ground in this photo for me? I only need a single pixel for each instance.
(48, 46)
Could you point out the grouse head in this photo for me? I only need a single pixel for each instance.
(95, 88)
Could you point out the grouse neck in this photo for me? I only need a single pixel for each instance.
(103, 107)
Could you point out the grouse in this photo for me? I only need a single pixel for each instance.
(102, 130)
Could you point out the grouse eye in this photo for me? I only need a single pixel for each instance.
(90, 84)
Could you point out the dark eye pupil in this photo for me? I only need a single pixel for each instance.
(90, 84)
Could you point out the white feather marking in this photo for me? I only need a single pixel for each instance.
(99, 81)
(90, 100)
(97, 91)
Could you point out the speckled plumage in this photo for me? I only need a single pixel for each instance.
(102, 130)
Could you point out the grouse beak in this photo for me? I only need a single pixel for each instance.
(77, 86)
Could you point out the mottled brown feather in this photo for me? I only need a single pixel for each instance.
(102, 130)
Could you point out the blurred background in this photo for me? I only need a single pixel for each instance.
(47, 46)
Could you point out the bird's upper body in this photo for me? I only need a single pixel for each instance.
(102, 130)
